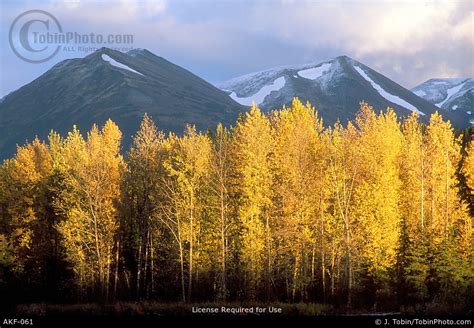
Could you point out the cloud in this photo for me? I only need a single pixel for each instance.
(99, 12)
(409, 41)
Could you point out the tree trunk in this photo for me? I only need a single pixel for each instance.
(98, 253)
(145, 269)
(107, 273)
(152, 267)
(295, 276)
(191, 246)
(446, 229)
(323, 268)
(139, 267)
(333, 273)
(223, 248)
(422, 214)
(349, 271)
(269, 256)
(117, 257)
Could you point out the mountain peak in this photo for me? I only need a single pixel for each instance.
(110, 84)
(449, 94)
(336, 87)
(108, 51)
(344, 57)
(139, 51)
(99, 52)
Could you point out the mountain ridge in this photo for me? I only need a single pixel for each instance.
(335, 87)
(84, 91)
(449, 94)
(124, 86)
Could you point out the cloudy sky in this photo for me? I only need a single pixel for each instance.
(408, 41)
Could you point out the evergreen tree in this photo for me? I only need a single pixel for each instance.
(413, 263)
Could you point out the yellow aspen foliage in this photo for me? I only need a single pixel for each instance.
(252, 150)
(188, 166)
(443, 204)
(141, 197)
(378, 188)
(297, 177)
(412, 172)
(221, 203)
(92, 170)
(277, 208)
(448, 221)
(22, 190)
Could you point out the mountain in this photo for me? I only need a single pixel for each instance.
(449, 94)
(335, 87)
(111, 84)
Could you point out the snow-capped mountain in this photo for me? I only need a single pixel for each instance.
(111, 84)
(335, 87)
(449, 94)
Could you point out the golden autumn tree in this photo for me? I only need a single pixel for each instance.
(333, 211)
(344, 170)
(252, 151)
(92, 169)
(412, 259)
(277, 208)
(220, 198)
(187, 166)
(27, 222)
(447, 220)
(296, 185)
(141, 191)
(377, 193)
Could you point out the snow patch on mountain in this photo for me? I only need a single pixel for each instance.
(392, 98)
(136, 51)
(451, 91)
(420, 93)
(245, 84)
(260, 96)
(436, 90)
(315, 72)
(115, 63)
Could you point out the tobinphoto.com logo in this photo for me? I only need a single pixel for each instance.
(36, 36)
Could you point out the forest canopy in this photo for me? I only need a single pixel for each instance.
(277, 208)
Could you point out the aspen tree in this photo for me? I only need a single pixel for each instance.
(448, 223)
(412, 258)
(93, 170)
(296, 164)
(220, 188)
(252, 151)
(187, 166)
(142, 194)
